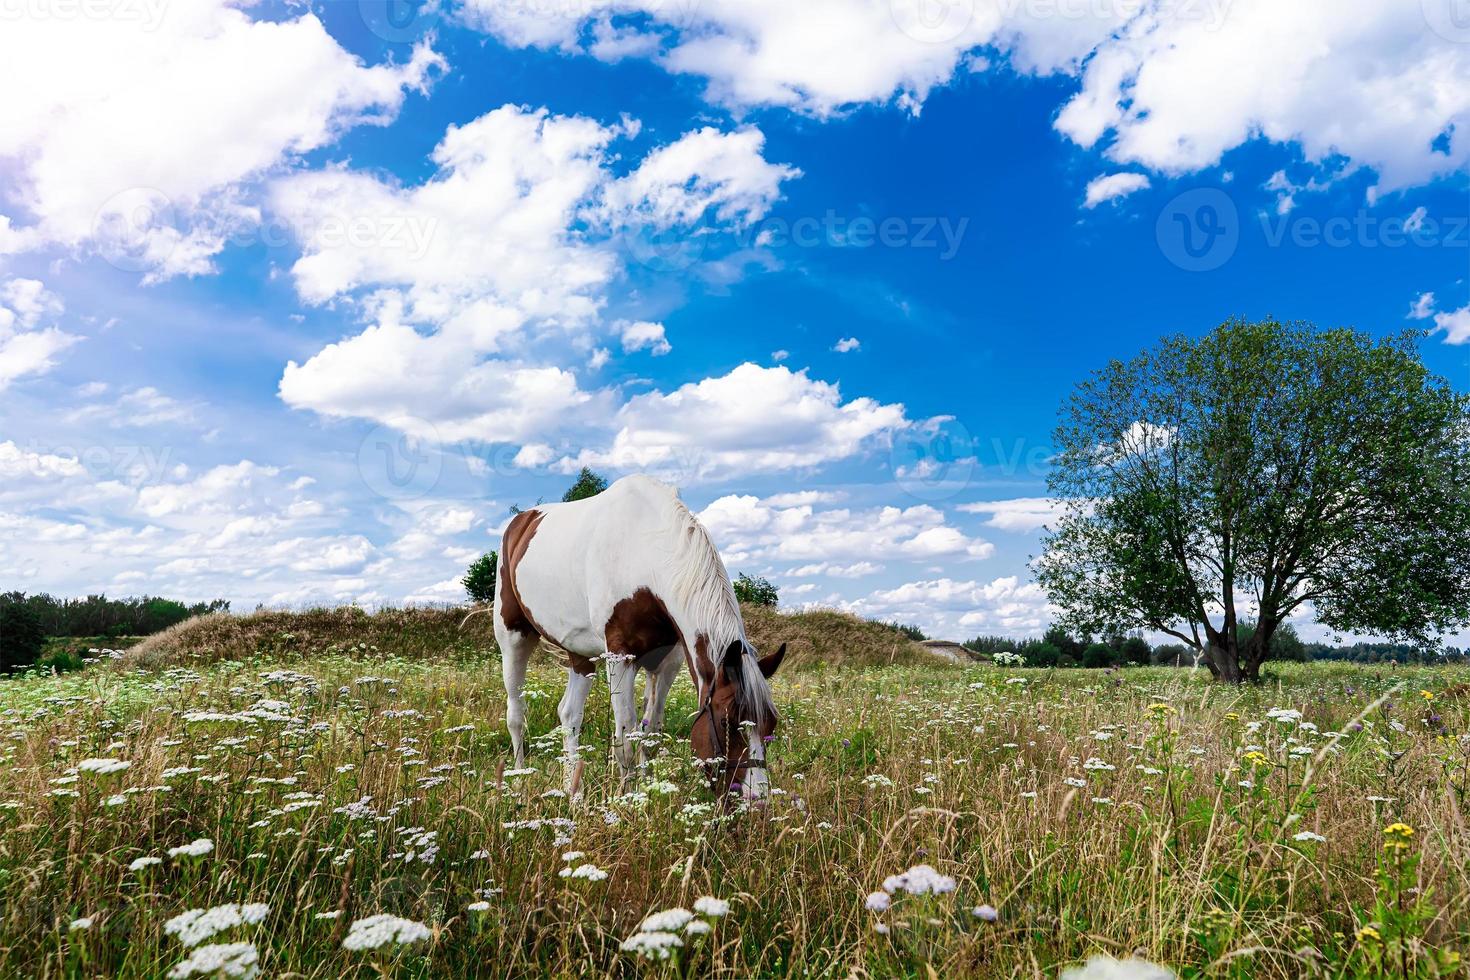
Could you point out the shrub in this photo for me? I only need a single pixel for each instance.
(479, 580)
(756, 591)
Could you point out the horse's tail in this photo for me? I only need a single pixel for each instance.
(475, 612)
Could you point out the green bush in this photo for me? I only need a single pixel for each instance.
(479, 581)
(756, 591)
(21, 636)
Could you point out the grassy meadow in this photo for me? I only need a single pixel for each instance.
(346, 767)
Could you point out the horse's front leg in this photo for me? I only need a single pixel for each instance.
(621, 675)
(580, 674)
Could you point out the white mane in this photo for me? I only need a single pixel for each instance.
(701, 587)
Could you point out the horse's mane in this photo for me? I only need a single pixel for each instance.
(702, 588)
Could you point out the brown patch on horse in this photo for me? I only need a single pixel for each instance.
(640, 625)
(513, 545)
(581, 664)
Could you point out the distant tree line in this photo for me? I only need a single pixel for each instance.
(97, 615)
(1059, 648)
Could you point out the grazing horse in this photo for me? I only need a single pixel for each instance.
(632, 578)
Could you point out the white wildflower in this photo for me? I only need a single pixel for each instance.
(711, 906)
(652, 945)
(196, 925)
(236, 960)
(381, 929)
(103, 767)
(197, 848)
(669, 920)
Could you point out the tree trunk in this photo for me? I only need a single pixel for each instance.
(1225, 661)
(1257, 649)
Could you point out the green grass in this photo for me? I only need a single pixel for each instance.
(879, 768)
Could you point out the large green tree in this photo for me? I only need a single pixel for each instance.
(1263, 468)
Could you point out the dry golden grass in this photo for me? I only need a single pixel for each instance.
(319, 786)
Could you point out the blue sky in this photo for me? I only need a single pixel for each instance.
(297, 299)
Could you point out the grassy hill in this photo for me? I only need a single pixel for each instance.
(813, 639)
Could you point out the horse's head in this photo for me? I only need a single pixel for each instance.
(736, 721)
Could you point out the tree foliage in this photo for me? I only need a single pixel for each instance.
(1266, 466)
(756, 591)
(479, 579)
(588, 484)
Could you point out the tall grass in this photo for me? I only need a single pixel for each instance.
(1138, 811)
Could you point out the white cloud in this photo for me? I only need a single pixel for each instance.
(754, 529)
(779, 355)
(819, 56)
(958, 609)
(643, 335)
(17, 463)
(513, 236)
(136, 134)
(136, 408)
(1018, 514)
(1166, 85)
(1358, 79)
(753, 419)
(25, 350)
(1454, 324)
(834, 570)
(702, 170)
(432, 387)
(1112, 187)
(847, 345)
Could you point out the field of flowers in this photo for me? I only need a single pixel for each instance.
(353, 813)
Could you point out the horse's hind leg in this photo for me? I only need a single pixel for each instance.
(660, 681)
(515, 652)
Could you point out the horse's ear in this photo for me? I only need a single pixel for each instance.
(733, 655)
(769, 664)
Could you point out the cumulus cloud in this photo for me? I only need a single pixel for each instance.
(1164, 85)
(963, 608)
(1112, 187)
(752, 419)
(847, 345)
(1018, 514)
(513, 236)
(137, 133)
(752, 528)
(26, 348)
(1176, 90)
(643, 335)
(1454, 324)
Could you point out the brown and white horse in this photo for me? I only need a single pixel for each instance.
(630, 577)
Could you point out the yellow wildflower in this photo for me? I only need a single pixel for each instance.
(1427, 695)
(1368, 934)
(1256, 758)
